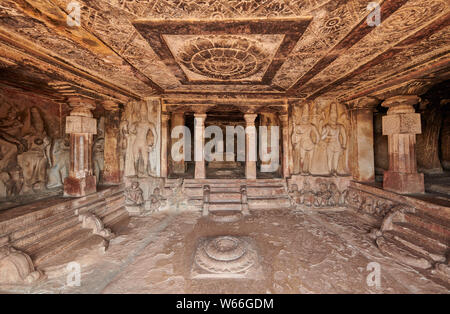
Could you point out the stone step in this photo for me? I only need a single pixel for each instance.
(43, 232)
(402, 253)
(225, 197)
(41, 224)
(224, 206)
(269, 203)
(434, 226)
(424, 234)
(417, 245)
(57, 248)
(113, 217)
(52, 238)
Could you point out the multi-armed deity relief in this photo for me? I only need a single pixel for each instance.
(319, 137)
(139, 139)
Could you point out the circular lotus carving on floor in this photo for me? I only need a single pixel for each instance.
(225, 254)
(223, 57)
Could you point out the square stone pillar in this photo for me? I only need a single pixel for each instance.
(401, 124)
(362, 141)
(199, 143)
(81, 126)
(284, 119)
(250, 145)
(177, 119)
(164, 144)
(111, 172)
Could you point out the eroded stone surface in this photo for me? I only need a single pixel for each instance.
(300, 253)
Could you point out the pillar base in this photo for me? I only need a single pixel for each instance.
(200, 172)
(403, 183)
(250, 170)
(111, 178)
(76, 187)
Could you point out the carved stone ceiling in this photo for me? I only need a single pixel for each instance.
(273, 48)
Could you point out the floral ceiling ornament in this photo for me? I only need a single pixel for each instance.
(223, 57)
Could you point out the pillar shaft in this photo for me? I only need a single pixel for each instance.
(199, 143)
(81, 126)
(284, 119)
(363, 158)
(177, 119)
(111, 172)
(401, 124)
(250, 146)
(164, 144)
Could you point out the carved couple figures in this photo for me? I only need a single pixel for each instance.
(134, 200)
(138, 140)
(24, 152)
(317, 149)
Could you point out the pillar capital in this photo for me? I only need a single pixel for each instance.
(110, 105)
(81, 106)
(401, 104)
(250, 118)
(284, 119)
(364, 103)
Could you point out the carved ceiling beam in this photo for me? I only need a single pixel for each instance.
(422, 33)
(403, 79)
(25, 52)
(55, 18)
(387, 8)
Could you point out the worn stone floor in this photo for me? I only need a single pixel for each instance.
(299, 252)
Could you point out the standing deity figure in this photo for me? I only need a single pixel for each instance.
(60, 160)
(11, 144)
(304, 139)
(140, 134)
(98, 158)
(335, 137)
(34, 161)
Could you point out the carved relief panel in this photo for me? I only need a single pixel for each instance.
(139, 139)
(319, 137)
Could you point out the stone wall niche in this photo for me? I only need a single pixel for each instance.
(81, 126)
(401, 124)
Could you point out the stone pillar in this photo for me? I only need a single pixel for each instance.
(164, 143)
(177, 119)
(81, 126)
(362, 139)
(250, 145)
(199, 143)
(401, 124)
(111, 172)
(284, 119)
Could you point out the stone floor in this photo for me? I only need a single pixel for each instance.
(299, 252)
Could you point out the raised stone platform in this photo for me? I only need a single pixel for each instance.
(45, 229)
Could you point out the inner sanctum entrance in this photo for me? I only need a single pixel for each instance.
(228, 137)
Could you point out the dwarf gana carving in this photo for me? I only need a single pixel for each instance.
(139, 138)
(156, 200)
(134, 194)
(327, 195)
(16, 267)
(319, 139)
